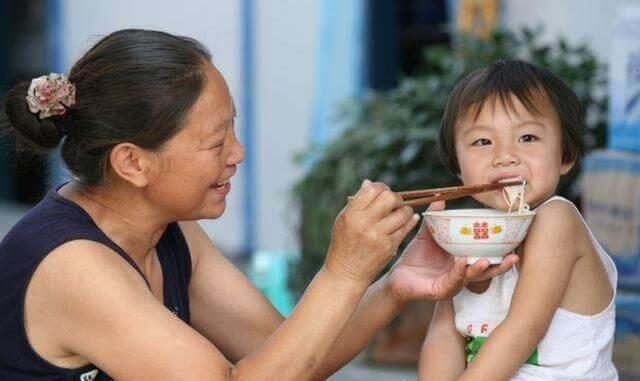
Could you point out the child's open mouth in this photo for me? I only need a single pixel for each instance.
(510, 179)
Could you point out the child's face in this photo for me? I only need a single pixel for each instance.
(504, 143)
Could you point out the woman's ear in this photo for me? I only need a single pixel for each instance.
(131, 163)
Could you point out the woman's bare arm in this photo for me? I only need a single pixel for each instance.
(105, 313)
(225, 306)
(85, 302)
(244, 319)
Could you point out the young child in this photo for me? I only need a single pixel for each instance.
(552, 317)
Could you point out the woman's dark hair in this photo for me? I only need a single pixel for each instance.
(132, 86)
(531, 85)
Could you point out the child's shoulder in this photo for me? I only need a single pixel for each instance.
(559, 211)
(557, 220)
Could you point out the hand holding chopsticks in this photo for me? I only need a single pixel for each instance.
(423, 197)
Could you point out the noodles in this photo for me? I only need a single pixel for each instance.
(513, 194)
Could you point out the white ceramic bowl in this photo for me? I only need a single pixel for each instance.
(478, 233)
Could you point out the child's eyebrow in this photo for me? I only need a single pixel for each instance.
(531, 122)
(467, 129)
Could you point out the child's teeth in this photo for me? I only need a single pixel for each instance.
(510, 179)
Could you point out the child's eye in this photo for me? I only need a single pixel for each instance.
(481, 142)
(528, 139)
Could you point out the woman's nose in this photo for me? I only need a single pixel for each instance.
(236, 156)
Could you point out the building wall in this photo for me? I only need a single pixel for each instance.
(588, 21)
(286, 56)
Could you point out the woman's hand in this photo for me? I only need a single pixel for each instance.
(425, 271)
(368, 231)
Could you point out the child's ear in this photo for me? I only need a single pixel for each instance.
(566, 167)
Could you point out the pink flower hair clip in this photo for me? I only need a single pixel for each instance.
(50, 95)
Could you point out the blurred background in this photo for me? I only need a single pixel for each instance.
(330, 92)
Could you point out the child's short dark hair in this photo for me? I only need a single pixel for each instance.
(528, 83)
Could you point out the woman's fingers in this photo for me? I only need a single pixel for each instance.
(460, 270)
(454, 281)
(508, 262)
(401, 233)
(377, 197)
(476, 270)
(482, 269)
(367, 193)
(437, 205)
(386, 202)
(396, 219)
(368, 231)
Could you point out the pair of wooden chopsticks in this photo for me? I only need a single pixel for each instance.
(424, 197)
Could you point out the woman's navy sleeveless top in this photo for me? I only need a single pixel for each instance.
(51, 223)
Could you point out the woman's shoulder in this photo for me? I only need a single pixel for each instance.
(83, 260)
(83, 277)
(78, 269)
(92, 289)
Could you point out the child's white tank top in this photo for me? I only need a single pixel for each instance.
(575, 347)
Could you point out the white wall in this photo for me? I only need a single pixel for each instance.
(578, 20)
(286, 56)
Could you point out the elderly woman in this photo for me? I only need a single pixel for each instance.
(110, 277)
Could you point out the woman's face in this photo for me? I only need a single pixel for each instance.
(502, 144)
(196, 165)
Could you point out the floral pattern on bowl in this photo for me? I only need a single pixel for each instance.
(478, 233)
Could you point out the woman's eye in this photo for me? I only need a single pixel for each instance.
(481, 142)
(528, 138)
(217, 145)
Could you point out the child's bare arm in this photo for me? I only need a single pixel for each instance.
(442, 357)
(549, 256)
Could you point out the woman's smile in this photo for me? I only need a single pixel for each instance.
(222, 188)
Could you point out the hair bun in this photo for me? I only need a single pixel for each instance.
(31, 131)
